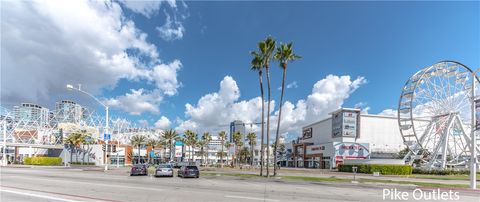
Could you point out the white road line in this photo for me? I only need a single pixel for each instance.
(250, 198)
(39, 196)
(97, 184)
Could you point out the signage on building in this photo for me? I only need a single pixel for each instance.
(307, 133)
(345, 124)
(351, 150)
(178, 148)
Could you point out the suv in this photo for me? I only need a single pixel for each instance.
(188, 171)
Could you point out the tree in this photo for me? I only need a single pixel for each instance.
(88, 140)
(257, 65)
(222, 136)
(170, 135)
(243, 155)
(151, 142)
(201, 144)
(138, 141)
(237, 139)
(206, 138)
(227, 145)
(191, 140)
(266, 48)
(252, 141)
(283, 55)
(74, 140)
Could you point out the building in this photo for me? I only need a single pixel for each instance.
(237, 126)
(69, 112)
(31, 114)
(346, 134)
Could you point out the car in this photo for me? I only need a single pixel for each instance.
(188, 171)
(164, 170)
(138, 169)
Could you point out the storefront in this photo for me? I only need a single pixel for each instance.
(347, 134)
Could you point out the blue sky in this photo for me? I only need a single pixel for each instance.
(382, 42)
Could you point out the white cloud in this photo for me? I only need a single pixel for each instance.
(172, 29)
(146, 8)
(388, 112)
(363, 106)
(137, 102)
(143, 123)
(215, 111)
(47, 44)
(290, 85)
(162, 123)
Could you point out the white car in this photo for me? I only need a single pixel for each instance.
(164, 170)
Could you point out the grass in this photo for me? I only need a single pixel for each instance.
(342, 180)
(443, 177)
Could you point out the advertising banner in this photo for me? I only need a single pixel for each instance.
(307, 133)
(337, 124)
(351, 150)
(178, 148)
(350, 124)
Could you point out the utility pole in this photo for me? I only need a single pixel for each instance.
(473, 149)
(4, 143)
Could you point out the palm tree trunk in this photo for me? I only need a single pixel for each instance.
(221, 156)
(83, 152)
(71, 154)
(88, 156)
(268, 119)
(138, 161)
(278, 124)
(252, 156)
(263, 122)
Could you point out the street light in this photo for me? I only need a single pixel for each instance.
(473, 149)
(71, 87)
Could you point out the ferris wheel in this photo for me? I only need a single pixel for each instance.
(435, 113)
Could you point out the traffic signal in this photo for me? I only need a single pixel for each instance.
(103, 147)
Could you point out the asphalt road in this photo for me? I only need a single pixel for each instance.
(42, 184)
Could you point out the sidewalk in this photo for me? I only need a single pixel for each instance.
(333, 174)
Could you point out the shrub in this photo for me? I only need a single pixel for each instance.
(440, 172)
(43, 161)
(383, 169)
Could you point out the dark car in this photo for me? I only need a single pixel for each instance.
(164, 170)
(138, 169)
(188, 171)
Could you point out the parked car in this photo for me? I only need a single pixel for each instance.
(188, 171)
(138, 169)
(164, 170)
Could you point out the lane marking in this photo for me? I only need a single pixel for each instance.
(38, 196)
(98, 184)
(250, 198)
(54, 193)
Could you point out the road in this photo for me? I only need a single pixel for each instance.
(47, 184)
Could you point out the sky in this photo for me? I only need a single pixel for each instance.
(186, 64)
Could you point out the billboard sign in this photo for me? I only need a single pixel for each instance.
(349, 124)
(307, 133)
(178, 148)
(337, 124)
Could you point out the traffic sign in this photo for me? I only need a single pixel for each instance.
(106, 136)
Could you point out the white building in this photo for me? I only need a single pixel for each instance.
(347, 134)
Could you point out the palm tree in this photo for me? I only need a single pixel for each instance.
(283, 55)
(201, 144)
(151, 142)
(206, 138)
(191, 140)
(223, 136)
(170, 135)
(87, 140)
(74, 140)
(257, 65)
(138, 140)
(237, 139)
(243, 154)
(266, 48)
(227, 145)
(252, 141)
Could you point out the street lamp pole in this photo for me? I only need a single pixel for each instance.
(5, 143)
(473, 149)
(70, 87)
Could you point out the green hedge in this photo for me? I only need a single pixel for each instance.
(384, 169)
(440, 172)
(43, 161)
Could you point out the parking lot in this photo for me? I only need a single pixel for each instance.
(57, 184)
